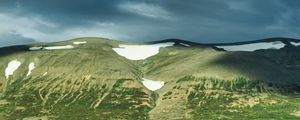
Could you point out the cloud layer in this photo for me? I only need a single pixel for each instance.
(147, 20)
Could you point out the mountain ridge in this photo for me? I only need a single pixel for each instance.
(272, 39)
(177, 41)
(195, 82)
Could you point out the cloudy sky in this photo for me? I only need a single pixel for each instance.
(147, 20)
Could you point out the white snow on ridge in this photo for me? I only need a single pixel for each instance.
(295, 43)
(185, 44)
(78, 43)
(30, 68)
(254, 46)
(140, 52)
(153, 85)
(12, 67)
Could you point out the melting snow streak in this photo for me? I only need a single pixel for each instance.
(45, 73)
(185, 44)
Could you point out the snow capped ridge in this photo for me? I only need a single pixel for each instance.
(268, 43)
(140, 52)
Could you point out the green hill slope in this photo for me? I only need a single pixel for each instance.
(92, 81)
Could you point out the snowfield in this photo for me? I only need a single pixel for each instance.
(254, 46)
(78, 43)
(30, 68)
(11, 68)
(51, 48)
(153, 85)
(140, 52)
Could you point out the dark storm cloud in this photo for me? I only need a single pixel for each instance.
(145, 20)
(65, 11)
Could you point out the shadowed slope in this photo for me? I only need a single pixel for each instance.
(177, 62)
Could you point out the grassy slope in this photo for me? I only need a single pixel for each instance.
(92, 82)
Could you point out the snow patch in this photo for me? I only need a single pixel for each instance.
(185, 44)
(12, 67)
(254, 46)
(152, 84)
(30, 68)
(140, 52)
(78, 43)
(295, 43)
(59, 47)
(35, 48)
(51, 48)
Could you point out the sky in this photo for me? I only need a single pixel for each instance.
(205, 21)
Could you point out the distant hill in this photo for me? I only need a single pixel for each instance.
(14, 41)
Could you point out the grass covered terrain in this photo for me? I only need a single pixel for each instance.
(208, 98)
(91, 81)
